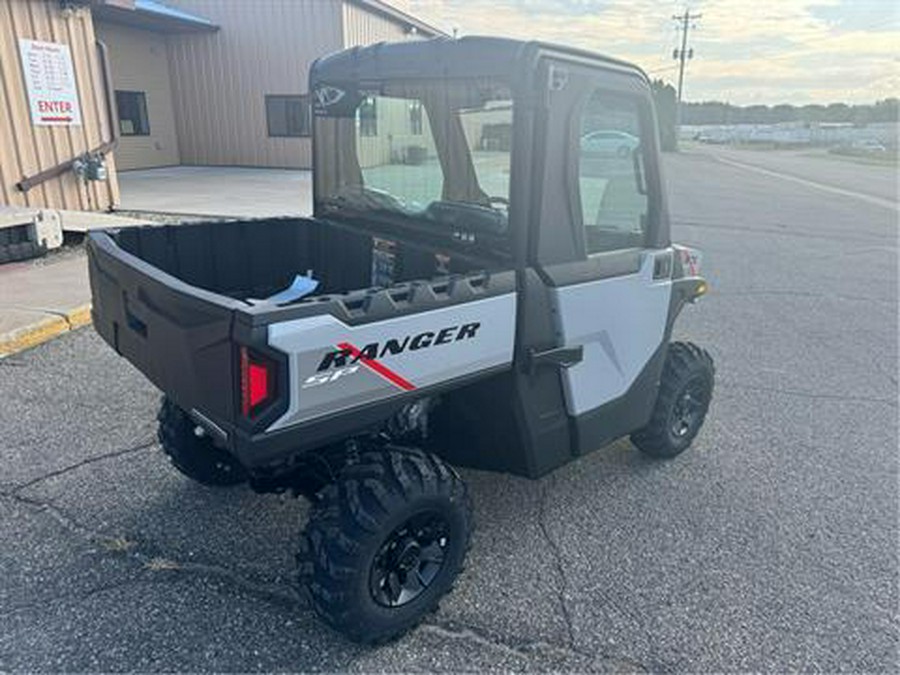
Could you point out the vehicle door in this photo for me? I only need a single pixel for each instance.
(603, 247)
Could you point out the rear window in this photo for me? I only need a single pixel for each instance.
(427, 151)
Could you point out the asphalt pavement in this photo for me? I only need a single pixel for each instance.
(770, 545)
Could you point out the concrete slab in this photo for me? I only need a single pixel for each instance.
(22, 329)
(14, 319)
(83, 221)
(16, 214)
(218, 191)
(68, 221)
(54, 284)
(43, 298)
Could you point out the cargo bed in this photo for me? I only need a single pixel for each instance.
(178, 301)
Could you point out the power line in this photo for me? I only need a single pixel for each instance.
(683, 54)
(663, 69)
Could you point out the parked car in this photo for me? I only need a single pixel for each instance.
(609, 142)
(868, 145)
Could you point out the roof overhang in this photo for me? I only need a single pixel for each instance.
(408, 21)
(151, 15)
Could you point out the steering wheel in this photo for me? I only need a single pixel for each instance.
(503, 201)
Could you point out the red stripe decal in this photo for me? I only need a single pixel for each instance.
(377, 367)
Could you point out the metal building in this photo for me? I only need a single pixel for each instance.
(141, 83)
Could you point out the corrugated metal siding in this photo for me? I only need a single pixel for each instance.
(26, 149)
(361, 27)
(364, 28)
(139, 62)
(220, 80)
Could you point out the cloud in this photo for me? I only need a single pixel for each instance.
(746, 52)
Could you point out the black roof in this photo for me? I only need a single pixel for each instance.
(471, 56)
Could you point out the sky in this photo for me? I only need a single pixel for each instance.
(745, 52)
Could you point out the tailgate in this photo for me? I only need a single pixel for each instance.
(178, 335)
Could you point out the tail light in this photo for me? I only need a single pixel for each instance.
(258, 382)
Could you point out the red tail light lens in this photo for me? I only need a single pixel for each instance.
(257, 382)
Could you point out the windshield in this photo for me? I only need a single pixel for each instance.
(432, 152)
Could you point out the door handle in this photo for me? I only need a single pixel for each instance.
(560, 357)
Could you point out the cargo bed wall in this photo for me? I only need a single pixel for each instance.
(178, 336)
(256, 258)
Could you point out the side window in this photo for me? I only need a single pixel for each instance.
(287, 116)
(132, 109)
(611, 180)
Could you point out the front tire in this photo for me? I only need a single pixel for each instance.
(195, 456)
(685, 391)
(384, 543)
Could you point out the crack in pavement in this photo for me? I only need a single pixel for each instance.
(527, 649)
(455, 630)
(627, 663)
(123, 548)
(557, 561)
(90, 460)
(155, 568)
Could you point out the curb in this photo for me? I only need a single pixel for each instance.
(80, 316)
(44, 330)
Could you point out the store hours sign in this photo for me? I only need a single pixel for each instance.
(50, 81)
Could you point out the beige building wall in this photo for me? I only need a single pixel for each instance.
(139, 62)
(395, 137)
(26, 149)
(220, 79)
(364, 27)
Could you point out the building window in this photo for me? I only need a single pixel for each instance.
(287, 116)
(415, 118)
(368, 117)
(132, 109)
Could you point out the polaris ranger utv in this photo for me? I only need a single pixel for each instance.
(487, 281)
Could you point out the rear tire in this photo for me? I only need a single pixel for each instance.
(195, 456)
(384, 543)
(685, 391)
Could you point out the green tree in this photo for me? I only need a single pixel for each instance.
(666, 100)
(784, 113)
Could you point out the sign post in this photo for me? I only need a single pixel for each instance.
(50, 81)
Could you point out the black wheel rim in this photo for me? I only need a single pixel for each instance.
(688, 409)
(409, 560)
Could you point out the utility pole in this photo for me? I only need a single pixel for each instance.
(683, 54)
